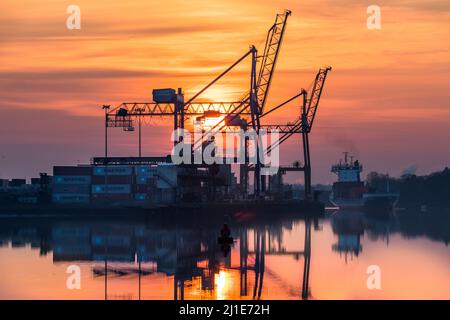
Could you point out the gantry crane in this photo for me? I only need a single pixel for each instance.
(260, 88)
(252, 104)
(302, 125)
(122, 115)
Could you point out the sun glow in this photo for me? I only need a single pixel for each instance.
(212, 122)
(222, 284)
(218, 93)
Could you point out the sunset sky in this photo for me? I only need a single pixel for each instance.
(387, 99)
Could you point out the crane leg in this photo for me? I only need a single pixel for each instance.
(307, 166)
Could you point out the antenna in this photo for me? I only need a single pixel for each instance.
(345, 157)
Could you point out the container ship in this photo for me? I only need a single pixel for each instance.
(349, 192)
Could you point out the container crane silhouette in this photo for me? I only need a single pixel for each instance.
(251, 105)
(302, 125)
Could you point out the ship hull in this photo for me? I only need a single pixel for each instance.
(347, 203)
(348, 195)
(372, 203)
(380, 204)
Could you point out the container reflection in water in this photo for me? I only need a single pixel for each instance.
(287, 258)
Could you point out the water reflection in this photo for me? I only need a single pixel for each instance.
(198, 259)
(349, 227)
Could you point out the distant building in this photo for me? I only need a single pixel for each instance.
(17, 183)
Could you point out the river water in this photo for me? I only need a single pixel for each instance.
(342, 255)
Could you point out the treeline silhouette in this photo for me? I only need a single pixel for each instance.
(431, 190)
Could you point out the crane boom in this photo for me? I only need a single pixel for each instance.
(122, 116)
(269, 57)
(266, 70)
(309, 109)
(313, 101)
(167, 109)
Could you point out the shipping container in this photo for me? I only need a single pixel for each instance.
(142, 188)
(142, 180)
(111, 188)
(112, 198)
(72, 171)
(145, 170)
(113, 170)
(72, 188)
(72, 179)
(70, 198)
(168, 196)
(29, 200)
(165, 196)
(140, 196)
(164, 95)
(113, 179)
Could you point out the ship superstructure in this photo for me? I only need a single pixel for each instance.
(348, 190)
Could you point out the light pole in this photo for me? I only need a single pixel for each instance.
(140, 131)
(106, 108)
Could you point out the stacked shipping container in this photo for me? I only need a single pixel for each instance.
(145, 182)
(115, 184)
(112, 184)
(72, 184)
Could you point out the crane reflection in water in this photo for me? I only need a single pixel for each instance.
(267, 258)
